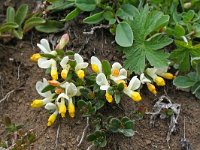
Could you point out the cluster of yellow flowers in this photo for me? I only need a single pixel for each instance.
(59, 99)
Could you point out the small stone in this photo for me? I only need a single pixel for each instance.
(148, 142)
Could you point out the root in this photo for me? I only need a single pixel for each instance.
(7, 95)
(96, 27)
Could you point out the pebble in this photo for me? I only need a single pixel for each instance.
(148, 142)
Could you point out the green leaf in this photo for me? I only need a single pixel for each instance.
(86, 5)
(8, 26)
(95, 18)
(183, 82)
(196, 89)
(182, 55)
(49, 56)
(117, 98)
(178, 31)
(106, 67)
(48, 88)
(127, 11)
(60, 5)
(10, 14)
(73, 14)
(124, 34)
(109, 16)
(51, 26)
(147, 46)
(98, 138)
(32, 22)
(18, 33)
(187, 17)
(114, 125)
(127, 132)
(21, 14)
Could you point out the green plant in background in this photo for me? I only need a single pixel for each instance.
(16, 136)
(148, 41)
(115, 14)
(191, 81)
(183, 55)
(16, 23)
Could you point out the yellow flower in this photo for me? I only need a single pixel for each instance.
(96, 64)
(159, 81)
(168, 76)
(52, 119)
(115, 72)
(62, 109)
(109, 97)
(136, 96)
(80, 74)
(54, 74)
(95, 68)
(35, 57)
(37, 103)
(64, 73)
(151, 88)
(71, 109)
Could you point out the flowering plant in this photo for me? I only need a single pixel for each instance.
(74, 85)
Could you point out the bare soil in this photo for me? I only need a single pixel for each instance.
(18, 73)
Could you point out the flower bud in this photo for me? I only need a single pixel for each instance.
(64, 73)
(62, 110)
(151, 88)
(51, 119)
(37, 103)
(53, 82)
(80, 74)
(54, 74)
(63, 41)
(109, 97)
(168, 76)
(187, 5)
(35, 57)
(159, 81)
(136, 96)
(71, 109)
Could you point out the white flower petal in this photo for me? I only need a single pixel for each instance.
(44, 63)
(134, 84)
(117, 78)
(161, 71)
(151, 72)
(71, 90)
(50, 106)
(96, 61)
(45, 44)
(64, 62)
(116, 65)
(40, 86)
(144, 79)
(62, 95)
(104, 87)
(78, 58)
(81, 66)
(123, 72)
(101, 79)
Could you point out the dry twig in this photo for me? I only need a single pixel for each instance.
(84, 131)
(97, 27)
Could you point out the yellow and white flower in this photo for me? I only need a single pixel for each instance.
(134, 84)
(70, 91)
(45, 63)
(96, 64)
(145, 80)
(48, 96)
(45, 47)
(65, 66)
(52, 118)
(117, 72)
(163, 73)
(152, 73)
(80, 65)
(104, 85)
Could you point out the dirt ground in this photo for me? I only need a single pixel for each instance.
(18, 73)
